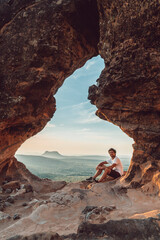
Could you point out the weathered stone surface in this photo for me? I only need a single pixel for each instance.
(128, 89)
(12, 185)
(64, 211)
(10, 199)
(16, 216)
(94, 214)
(7, 204)
(8, 191)
(121, 229)
(2, 206)
(40, 236)
(28, 188)
(42, 42)
(67, 198)
(17, 170)
(4, 216)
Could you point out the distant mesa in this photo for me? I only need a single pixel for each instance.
(52, 154)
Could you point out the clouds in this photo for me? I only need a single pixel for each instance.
(75, 129)
(84, 113)
(79, 106)
(83, 131)
(89, 64)
(88, 116)
(90, 71)
(91, 134)
(81, 113)
(50, 125)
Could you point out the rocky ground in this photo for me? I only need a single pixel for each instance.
(79, 210)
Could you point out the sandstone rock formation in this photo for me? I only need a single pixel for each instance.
(128, 89)
(101, 212)
(42, 42)
(113, 230)
(40, 236)
(123, 229)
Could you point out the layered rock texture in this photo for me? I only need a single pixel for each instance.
(106, 211)
(128, 89)
(42, 42)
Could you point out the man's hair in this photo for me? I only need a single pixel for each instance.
(112, 149)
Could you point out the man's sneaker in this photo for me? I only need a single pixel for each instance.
(95, 180)
(90, 179)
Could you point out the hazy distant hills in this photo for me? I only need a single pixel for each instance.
(53, 165)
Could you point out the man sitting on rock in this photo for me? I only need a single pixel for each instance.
(114, 171)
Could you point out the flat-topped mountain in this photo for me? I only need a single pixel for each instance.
(52, 154)
(56, 154)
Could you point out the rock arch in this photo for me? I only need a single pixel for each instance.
(42, 42)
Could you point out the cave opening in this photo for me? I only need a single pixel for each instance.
(75, 136)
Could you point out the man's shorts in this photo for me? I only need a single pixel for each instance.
(114, 174)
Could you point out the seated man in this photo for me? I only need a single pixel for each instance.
(115, 170)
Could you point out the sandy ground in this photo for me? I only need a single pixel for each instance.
(61, 211)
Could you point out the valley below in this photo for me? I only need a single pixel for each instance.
(55, 166)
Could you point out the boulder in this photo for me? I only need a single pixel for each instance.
(38, 236)
(4, 216)
(16, 216)
(13, 185)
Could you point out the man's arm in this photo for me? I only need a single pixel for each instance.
(112, 166)
(100, 164)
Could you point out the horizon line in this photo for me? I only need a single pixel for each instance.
(75, 155)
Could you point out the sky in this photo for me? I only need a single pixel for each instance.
(74, 128)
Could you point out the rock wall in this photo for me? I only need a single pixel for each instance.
(128, 89)
(42, 42)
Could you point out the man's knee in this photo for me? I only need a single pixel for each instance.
(107, 170)
(101, 168)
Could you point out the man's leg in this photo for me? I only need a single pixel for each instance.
(97, 173)
(106, 172)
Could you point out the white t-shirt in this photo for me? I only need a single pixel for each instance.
(119, 167)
